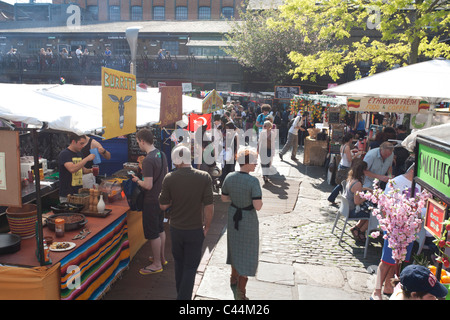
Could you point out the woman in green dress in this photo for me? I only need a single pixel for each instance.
(244, 192)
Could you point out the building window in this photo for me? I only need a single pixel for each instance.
(206, 51)
(93, 12)
(204, 13)
(136, 13)
(227, 12)
(114, 13)
(171, 46)
(34, 46)
(181, 13)
(158, 13)
(121, 47)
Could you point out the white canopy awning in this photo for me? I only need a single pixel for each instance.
(75, 108)
(429, 81)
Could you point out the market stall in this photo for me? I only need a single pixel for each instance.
(100, 249)
(432, 172)
(415, 89)
(325, 128)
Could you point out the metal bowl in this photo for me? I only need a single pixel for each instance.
(68, 226)
(66, 207)
(9, 243)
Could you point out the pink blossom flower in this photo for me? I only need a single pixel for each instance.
(398, 216)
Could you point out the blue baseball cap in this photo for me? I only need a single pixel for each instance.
(415, 278)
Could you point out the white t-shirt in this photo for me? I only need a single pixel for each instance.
(293, 129)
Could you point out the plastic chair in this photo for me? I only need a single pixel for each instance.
(344, 210)
(373, 225)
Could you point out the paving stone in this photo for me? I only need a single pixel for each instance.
(275, 273)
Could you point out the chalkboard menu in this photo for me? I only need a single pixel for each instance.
(286, 92)
(333, 117)
(133, 147)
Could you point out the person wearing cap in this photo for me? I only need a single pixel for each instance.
(418, 283)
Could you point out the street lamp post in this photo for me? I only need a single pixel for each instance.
(132, 37)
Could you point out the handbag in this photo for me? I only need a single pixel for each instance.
(135, 195)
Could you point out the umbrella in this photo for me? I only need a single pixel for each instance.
(429, 81)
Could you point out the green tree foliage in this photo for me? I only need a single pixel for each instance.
(263, 49)
(380, 32)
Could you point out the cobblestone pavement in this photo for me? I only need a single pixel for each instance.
(299, 256)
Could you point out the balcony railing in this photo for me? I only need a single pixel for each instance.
(23, 68)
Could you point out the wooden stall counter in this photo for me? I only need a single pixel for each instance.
(315, 152)
(87, 270)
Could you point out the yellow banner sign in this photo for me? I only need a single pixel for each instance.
(397, 105)
(119, 103)
(212, 102)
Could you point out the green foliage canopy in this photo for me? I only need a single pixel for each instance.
(380, 32)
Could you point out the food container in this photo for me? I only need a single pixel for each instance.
(82, 199)
(131, 166)
(48, 240)
(72, 221)
(112, 190)
(59, 227)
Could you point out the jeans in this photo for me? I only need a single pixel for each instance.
(187, 253)
(335, 193)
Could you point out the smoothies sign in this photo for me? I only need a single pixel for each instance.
(397, 105)
(434, 168)
(118, 103)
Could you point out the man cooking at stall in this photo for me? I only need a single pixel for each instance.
(71, 166)
(92, 144)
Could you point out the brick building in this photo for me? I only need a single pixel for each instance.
(163, 10)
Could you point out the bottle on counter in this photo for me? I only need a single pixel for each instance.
(101, 205)
(46, 252)
(59, 227)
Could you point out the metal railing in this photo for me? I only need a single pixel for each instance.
(29, 66)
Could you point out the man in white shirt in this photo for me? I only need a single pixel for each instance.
(292, 140)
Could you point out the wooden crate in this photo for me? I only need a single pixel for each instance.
(315, 152)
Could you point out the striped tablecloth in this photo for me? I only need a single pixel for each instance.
(88, 271)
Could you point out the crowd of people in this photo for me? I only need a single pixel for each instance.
(270, 128)
(169, 194)
(357, 171)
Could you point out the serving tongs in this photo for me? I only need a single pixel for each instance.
(82, 234)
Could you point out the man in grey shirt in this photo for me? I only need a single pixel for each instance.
(188, 194)
(379, 163)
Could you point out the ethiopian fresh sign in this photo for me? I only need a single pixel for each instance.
(118, 103)
(397, 105)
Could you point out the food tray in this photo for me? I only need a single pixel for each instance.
(96, 214)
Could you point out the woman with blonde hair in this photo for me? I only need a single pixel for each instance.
(266, 148)
(244, 192)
